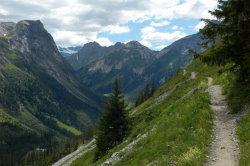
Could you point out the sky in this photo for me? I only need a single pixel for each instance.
(154, 23)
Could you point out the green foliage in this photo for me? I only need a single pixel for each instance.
(147, 92)
(236, 91)
(243, 130)
(152, 89)
(232, 29)
(68, 128)
(114, 123)
(143, 96)
(50, 155)
(16, 141)
(89, 134)
(86, 159)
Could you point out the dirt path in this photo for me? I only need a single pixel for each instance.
(223, 149)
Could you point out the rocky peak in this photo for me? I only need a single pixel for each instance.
(6, 27)
(33, 38)
(118, 45)
(134, 44)
(91, 45)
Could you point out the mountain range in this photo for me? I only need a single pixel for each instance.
(135, 64)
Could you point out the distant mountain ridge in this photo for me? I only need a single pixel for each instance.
(134, 63)
(89, 53)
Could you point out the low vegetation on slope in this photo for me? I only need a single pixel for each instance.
(181, 125)
(177, 122)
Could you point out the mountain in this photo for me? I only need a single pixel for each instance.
(91, 52)
(135, 65)
(67, 51)
(41, 98)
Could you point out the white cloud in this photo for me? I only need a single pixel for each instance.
(146, 43)
(3, 12)
(127, 41)
(84, 19)
(175, 27)
(200, 25)
(147, 30)
(150, 34)
(118, 29)
(63, 38)
(181, 28)
(159, 24)
(160, 47)
(104, 41)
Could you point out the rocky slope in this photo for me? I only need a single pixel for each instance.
(40, 93)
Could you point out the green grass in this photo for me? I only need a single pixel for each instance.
(4, 117)
(243, 131)
(68, 128)
(12, 56)
(184, 129)
(86, 158)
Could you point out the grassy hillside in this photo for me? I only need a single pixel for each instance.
(178, 129)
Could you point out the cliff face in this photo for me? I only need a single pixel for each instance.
(37, 46)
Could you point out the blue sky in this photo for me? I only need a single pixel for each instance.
(154, 23)
(186, 26)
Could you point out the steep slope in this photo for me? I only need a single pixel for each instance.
(174, 127)
(41, 98)
(137, 65)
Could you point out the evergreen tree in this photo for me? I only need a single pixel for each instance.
(114, 123)
(152, 89)
(139, 99)
(147, 92)
(231, 33)
(89, 133)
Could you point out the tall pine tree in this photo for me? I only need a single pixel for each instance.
(152, 89)
(229, 36)
(114, 123)
(147, 92)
